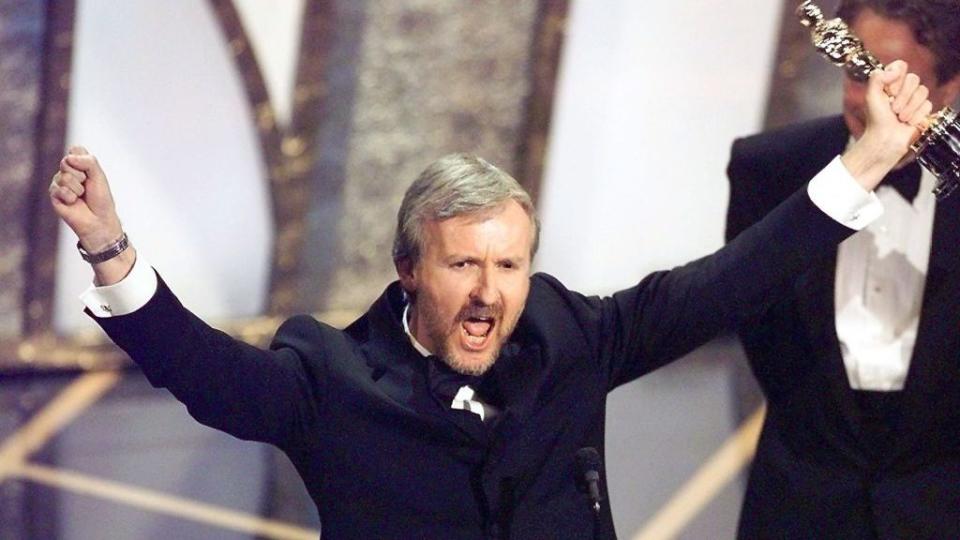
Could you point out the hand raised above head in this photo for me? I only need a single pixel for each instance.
(81, 197)
(897, 112)
(897, 105)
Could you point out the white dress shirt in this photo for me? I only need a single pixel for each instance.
(880, 276)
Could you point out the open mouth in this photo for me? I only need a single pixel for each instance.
(476, 331)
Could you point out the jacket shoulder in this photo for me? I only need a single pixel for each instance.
(312, 339)
(786, 145)
(765, 169)
(559, 315)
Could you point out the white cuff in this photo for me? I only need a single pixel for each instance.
(125, 296)
(837, 193)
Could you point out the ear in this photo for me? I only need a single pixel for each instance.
(406, 270)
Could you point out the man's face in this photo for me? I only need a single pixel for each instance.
(889, 40)
(470, 285)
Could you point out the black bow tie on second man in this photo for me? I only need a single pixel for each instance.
(905, 180)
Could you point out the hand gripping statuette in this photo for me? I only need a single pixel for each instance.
(938, 148)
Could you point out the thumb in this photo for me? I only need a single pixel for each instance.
(880, 82)
(893, 75)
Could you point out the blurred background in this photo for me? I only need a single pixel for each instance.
(258, 151)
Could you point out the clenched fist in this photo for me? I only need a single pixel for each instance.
(897, 111)
(81, 197)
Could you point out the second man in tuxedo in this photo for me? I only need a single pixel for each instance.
(860, 361)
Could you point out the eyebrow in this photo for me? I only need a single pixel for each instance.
(472, 258)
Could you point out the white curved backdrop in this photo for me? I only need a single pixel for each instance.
(157, 97)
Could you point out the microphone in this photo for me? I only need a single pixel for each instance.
(588, 475)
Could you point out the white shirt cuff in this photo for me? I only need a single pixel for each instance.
(838, 195)
(126, 296)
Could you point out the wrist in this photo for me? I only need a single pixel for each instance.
(871, 157)
(114, 270)
(101, 239)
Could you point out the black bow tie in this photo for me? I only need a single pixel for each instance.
(445, 382)
(906, 180)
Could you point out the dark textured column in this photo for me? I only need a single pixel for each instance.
(320, 257)
(288, 150)
(432, 78)
(42, 224)
(22, 26)
(546, 45)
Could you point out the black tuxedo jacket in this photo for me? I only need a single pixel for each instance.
(812, 476)
(381, 458)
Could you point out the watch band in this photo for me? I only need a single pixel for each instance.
(110, 252)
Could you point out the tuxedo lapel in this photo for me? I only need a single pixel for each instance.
(520, 451)
(935, 352)
(817, 313)
(529, 376)
(815, 288)
(816, 293)
(400, 382)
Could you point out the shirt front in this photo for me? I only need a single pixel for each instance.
(880, 276)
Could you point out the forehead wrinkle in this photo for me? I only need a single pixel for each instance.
(464, 235)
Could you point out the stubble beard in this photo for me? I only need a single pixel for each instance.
(441, 334)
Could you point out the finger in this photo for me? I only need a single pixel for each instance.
(77, 151)
(921, 116)
(63, 195)
(87, 164)
(916, 100)
(66, 168)
(67, 175)
(68, 181)
(875, 90)
(910, 84)
(57, 203)
(71, 182)
(63, 178)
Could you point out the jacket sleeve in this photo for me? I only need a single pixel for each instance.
(670, 313)
(746, 205)
(265, 395)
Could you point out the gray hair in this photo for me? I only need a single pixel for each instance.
(455, 185)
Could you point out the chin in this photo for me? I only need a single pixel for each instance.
(475, 366)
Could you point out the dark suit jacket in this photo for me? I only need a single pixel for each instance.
(812, 476)
(380, 457)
